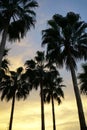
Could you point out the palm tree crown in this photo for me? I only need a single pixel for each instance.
(66, 38)
(54, 89)
(14, 83)
(18, 16)
(35, 69)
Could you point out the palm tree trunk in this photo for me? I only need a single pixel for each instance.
(53, 114)
(42, 109)
(12, 112)
(78, 99)
(2, 45)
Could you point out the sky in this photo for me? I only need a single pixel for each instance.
(27, 113)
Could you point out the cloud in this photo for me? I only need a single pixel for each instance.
(20, 52)
(27, 113)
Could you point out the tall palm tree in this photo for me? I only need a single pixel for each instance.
(66, 40)
(16, 18)
(14, 86)
(83, 79)
(53, 91)
(35, 69)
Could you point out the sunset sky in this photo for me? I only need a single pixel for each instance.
(27, 113)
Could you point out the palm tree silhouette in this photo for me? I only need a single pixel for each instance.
(35, 69)
(5, 62)
(53, 91)
(14, 86)
(16, 18)
(83, 79)
(4, 65)
(66, 41)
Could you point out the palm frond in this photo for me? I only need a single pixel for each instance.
(83, 79)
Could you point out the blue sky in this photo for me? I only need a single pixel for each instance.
(26, 49)
(45, 11)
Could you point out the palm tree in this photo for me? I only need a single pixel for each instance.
(14, 86)
(66, 40)
(83, 79)
(35, 69)
(16, 18)
(53, 91)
